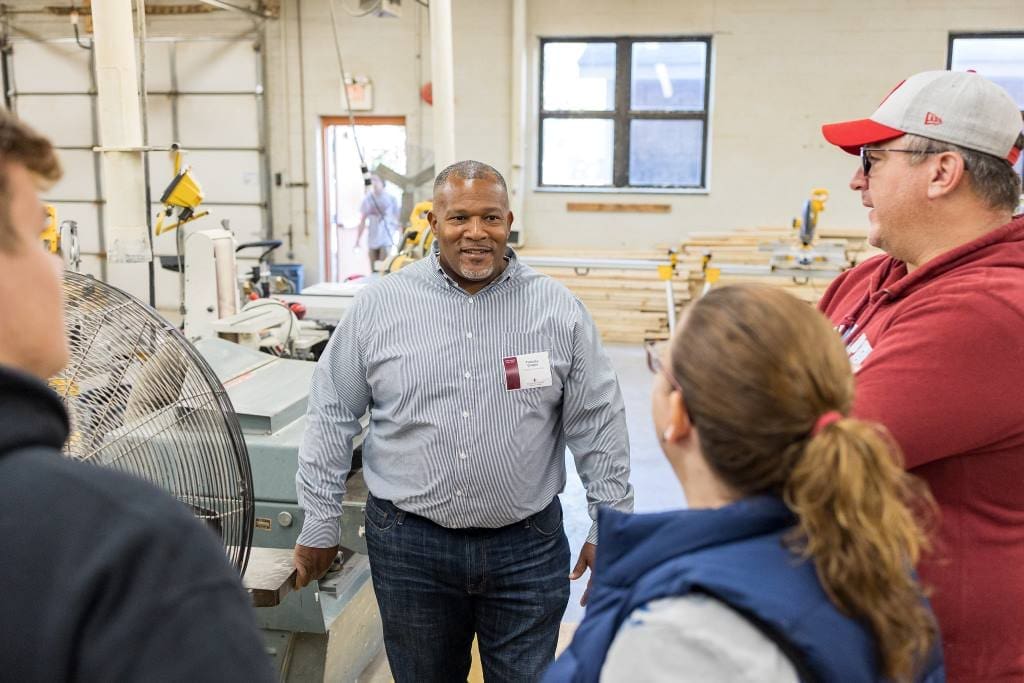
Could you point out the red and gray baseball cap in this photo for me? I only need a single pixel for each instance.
(961, 108)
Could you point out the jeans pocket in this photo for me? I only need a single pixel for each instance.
(380, 516)
(548, 521)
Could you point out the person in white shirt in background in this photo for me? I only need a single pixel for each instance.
(378, 215)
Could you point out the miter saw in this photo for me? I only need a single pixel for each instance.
(808, 221)
(809, 257)
(802, 257)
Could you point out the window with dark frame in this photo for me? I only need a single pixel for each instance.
(998, 57)
(626, 112)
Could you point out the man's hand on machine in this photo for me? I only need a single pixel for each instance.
(311, 563)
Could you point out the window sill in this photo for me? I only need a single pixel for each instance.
(568, 189)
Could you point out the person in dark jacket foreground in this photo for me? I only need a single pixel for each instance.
(104, 577)
(794, 560)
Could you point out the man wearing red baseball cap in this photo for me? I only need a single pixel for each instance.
(935, 332)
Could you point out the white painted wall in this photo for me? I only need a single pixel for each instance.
(781, 68)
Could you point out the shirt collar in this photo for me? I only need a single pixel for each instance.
(511, 268)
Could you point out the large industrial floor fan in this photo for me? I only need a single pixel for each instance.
(142, 400)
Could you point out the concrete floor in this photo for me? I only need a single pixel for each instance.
(654, 483)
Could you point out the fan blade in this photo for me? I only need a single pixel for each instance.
(424, 176)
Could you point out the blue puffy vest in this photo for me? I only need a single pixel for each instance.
(735, 553)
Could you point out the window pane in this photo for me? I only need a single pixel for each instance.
(666, 153)
(577, 152)
(579, 76)
(999, 59)
(669, 76)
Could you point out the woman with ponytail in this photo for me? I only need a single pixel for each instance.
(795, 558)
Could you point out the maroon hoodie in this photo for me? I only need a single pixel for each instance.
(939, 360)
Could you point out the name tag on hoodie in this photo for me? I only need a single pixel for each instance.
(859, 350)
(528, 371)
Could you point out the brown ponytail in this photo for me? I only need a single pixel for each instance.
(758, 368)
(856, 508)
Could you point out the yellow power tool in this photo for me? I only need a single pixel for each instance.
(416, 241)
(808, 222)
(183, 195)
(51, 235)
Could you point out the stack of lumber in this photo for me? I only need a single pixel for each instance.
(630, 305)
(753, 247)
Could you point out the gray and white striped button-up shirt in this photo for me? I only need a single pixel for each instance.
(447, 439)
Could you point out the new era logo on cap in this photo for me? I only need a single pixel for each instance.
(976, 114)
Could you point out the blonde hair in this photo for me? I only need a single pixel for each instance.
(758, 368)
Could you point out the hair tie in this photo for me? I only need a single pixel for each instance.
(825, 420)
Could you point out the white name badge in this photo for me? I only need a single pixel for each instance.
(529, 371)
(859, 351)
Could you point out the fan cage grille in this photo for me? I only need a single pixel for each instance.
(142, 400)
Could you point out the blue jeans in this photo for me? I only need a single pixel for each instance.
(437, 587)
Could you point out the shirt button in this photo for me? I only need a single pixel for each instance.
(469, 335)
(462, 456)
(467, 375)
(458, 493)
(470, 300)
(465, 413)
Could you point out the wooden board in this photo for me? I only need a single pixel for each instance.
(618, 207)
(269, 576)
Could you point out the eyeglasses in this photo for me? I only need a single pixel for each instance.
(655, 365)
(865, 158)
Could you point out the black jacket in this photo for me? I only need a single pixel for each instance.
(102, 576)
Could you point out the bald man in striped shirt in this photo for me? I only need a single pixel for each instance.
(478, 371)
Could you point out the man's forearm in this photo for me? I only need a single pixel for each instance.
(320, 484)
(338, 398)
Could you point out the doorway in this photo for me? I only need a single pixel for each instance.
(382, 140)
